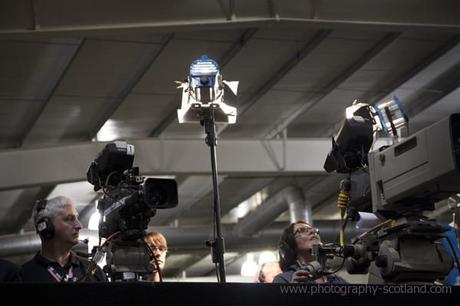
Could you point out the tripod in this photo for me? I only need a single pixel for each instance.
(128, 260)
(217, 244)
(409, 253)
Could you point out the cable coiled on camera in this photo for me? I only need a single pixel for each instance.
(342, 203)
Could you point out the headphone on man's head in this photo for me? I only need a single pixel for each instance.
(44, 226)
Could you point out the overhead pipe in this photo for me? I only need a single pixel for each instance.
(291, 197)
(299, 208)
(188, 239)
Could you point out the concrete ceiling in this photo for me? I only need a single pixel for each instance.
(99, 71)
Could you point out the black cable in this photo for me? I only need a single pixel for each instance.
(93, 265)
(157, 265)
(390, 119)
(104, 187)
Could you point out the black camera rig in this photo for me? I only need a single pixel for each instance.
(126, 207)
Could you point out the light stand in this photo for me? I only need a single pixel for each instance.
(217, 245)
(203, 101)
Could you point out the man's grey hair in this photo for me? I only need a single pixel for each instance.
(52, 207)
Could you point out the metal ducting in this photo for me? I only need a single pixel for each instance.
(187, 239)
(28, 243)
(299, 208)
(12, 245)
(290, 197)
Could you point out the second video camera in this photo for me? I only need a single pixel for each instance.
(128, 202)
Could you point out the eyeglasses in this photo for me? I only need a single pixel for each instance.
(305, 230)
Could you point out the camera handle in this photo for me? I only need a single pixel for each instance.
(217, 244)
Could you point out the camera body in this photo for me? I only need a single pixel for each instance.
(128, 204)
(398, 183)
(417, 172)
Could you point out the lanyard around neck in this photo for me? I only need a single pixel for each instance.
(68, 277)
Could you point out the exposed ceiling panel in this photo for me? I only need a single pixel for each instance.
(105, 70)
(30, 68)
(29, 73)
(383, 69)
(305, 81)
(65, 119)
(446, 106)
(137, 115)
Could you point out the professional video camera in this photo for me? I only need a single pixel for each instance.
(397, 183)
(126, 208)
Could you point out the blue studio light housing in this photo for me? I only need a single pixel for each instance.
(392, 116)
(203, 73)
(203, 93)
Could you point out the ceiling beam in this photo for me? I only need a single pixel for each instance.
(89, 18)
(44, 166)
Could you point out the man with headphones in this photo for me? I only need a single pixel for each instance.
(295, 248)
(56, 221)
